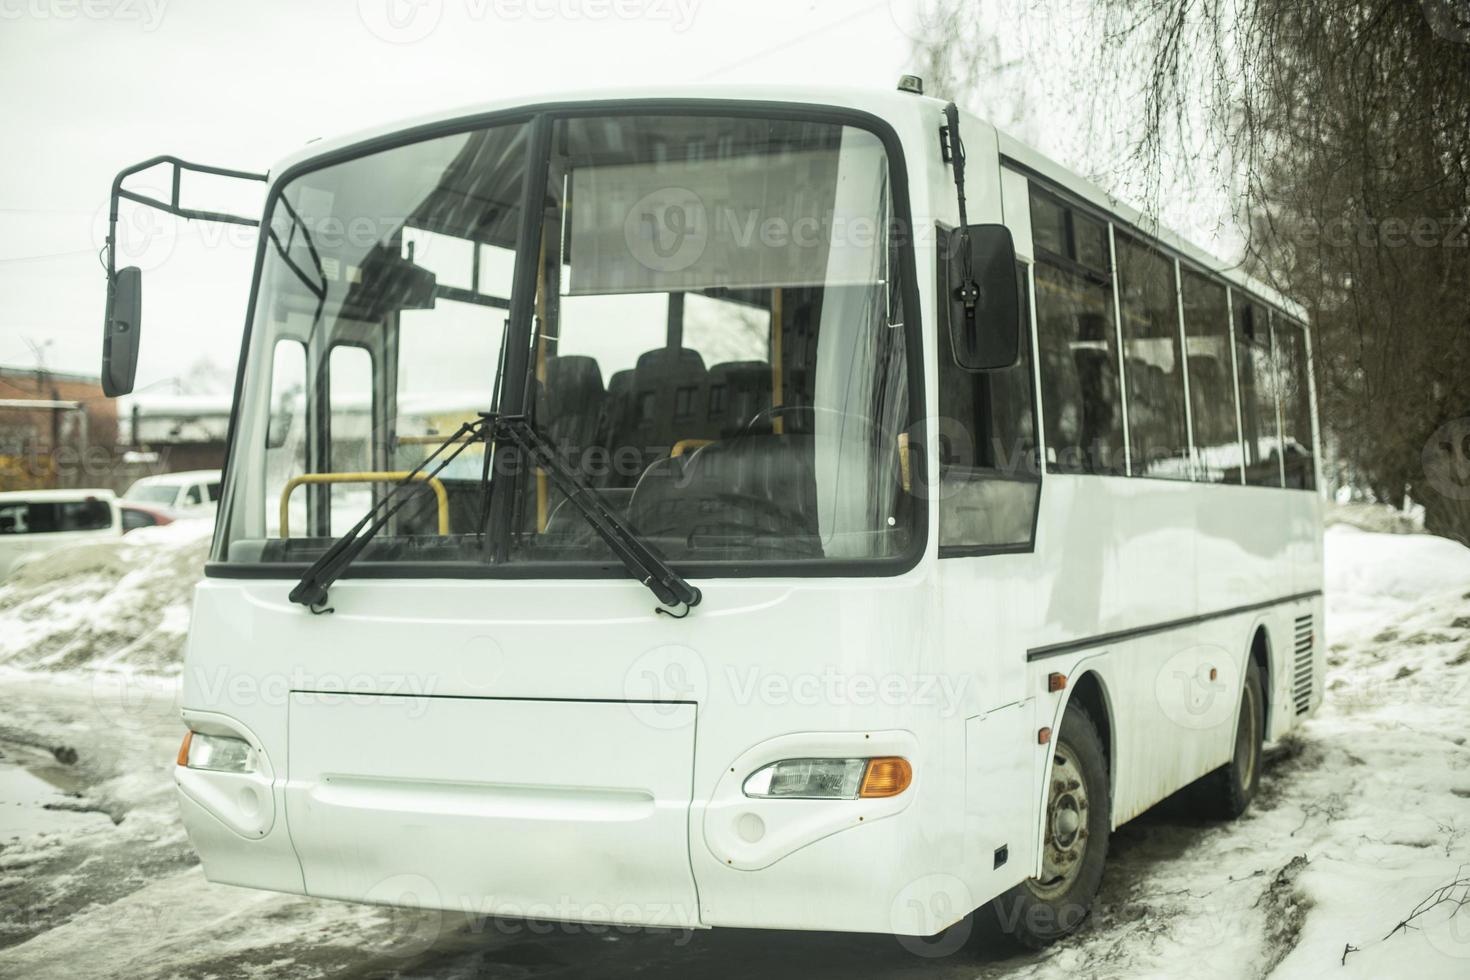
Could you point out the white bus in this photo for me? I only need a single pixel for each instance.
(802, 509)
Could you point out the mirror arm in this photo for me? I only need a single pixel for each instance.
(172, 205)
(968, 291)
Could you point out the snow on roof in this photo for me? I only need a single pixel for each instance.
(55, 495)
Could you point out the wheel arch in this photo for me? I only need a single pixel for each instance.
(1090, 693)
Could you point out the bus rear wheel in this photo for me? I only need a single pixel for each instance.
(1226, 793)
(1041, 910)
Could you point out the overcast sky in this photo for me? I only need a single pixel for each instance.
(94, 85)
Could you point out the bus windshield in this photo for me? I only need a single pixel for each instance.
(714, 342)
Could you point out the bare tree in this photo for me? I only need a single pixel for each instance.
(1342, 129)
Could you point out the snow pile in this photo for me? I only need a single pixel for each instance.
(1385, 782)
(1373, 576)
(115, 604)
(1380, 518)
(1362, 820)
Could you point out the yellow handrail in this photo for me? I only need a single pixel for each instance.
(685, 445)
(434, 440)
(370, 477)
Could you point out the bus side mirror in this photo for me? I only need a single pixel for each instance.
(120, 331)
(985, 333)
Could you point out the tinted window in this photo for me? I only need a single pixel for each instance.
(194, 496)
(1211, 379)
(1255, 362)
(133, 518)
(1296, 404)
(988, 468)
(47, 517)
(1158, 430)
(85, 515)
(212, 489)
(14, 518)
(1077, 341)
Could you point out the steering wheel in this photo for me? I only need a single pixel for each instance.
(776, 410)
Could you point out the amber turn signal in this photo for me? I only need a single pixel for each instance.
(183, 759)
(886, 776)
(1055, 683)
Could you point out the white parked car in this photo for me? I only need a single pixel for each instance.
(33, 522)
(193, 493)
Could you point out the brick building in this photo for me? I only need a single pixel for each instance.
(56, 430)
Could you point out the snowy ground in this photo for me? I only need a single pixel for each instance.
(1362, 823)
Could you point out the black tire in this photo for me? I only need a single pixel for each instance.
(1227, 792)
(1040, 911)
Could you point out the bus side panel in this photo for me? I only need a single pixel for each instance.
(1245, 545)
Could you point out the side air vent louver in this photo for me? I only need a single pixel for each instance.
(1302, 679)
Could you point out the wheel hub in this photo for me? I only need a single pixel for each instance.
(1066, 827)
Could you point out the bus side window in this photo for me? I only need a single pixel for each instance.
(285, 444)
(1158, 433)
(1077, 341)
(1296, 404)
(989, 473)
(1257, 395)
(1211, 382)
(350, 380)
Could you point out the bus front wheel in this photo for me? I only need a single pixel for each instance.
(1043, 909)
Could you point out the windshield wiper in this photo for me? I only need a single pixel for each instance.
(311, 591)
(640, 559)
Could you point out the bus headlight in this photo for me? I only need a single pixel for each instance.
(830, 779)
(216, 752)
